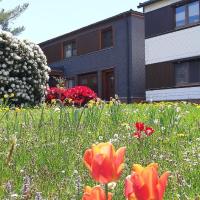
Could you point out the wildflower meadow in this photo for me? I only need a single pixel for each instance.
(100, 151)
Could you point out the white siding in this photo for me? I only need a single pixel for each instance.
(172, 46)
(173, 94)
(158, 5)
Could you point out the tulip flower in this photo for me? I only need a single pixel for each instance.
(104, 163)
(139, 126)
(149, 131)
(95, 193)
(142, 129)
(145, 184)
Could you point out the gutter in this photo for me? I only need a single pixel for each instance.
(147, 3)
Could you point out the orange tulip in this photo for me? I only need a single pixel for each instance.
(105, 165)
(145, 184)
(95, 193)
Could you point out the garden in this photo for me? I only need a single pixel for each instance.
(58, 143)
(43, 148)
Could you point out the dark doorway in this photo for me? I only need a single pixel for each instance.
(108, 87)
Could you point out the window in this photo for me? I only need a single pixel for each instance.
(70, 82)
(180, 16)
(107, 38)
(89, 80)
(188, 14)
(70, 49)
(187, 72)
(193, 12)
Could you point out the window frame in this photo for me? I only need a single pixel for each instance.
(73, 50)
(187, 23)
(89, 76)
(67, 82)
(110, 28)
(190, 82)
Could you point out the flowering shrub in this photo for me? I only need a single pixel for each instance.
(55, 93)
(79, 95)
(23, 70)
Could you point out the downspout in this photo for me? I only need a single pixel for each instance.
(128, 59)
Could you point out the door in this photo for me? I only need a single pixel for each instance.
(108, 87)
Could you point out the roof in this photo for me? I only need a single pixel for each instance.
(110, 19)
(146, 3)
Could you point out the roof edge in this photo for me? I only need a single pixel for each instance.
(127, 13)
(146, 3)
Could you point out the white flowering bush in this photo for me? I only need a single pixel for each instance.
(23, 70)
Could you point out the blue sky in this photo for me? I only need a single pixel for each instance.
(45, 19)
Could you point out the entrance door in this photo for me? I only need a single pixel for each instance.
(108, 87)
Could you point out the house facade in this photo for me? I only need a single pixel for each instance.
(172, 49)
(107, 56)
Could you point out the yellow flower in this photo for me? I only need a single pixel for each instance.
(181, 135)
(5, 96)
(12, 95)
(17, 110)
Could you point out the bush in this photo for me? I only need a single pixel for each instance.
(23, 70)
(79, 95)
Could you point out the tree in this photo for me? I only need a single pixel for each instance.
(7, 17)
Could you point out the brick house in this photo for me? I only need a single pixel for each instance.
(107, 56)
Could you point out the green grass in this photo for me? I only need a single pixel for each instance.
(51, 143)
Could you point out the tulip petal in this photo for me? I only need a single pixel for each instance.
(88, 157)
(128, 187)
(102, 169)
(95, 193)
(140, 188)
(137, 168)
(119, 156)
(150, 175)
(162, 184)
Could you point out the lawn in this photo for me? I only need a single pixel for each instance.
(42, 148)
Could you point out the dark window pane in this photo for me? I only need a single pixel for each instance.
(182, 73)
(193, 12)
(70, 50)
(89, 80)
(194, 71)
(70, 83)
(106, 38)
(180, 16)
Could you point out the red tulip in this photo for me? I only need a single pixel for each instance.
(142, 129)
(145, 184)
(139, 126)
(105, 165)
(137, 135)
(95, 193)
(149, 131)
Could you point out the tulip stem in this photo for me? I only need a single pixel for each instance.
(106, 190)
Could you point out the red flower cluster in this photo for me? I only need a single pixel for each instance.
(141, 128)
(79, 95)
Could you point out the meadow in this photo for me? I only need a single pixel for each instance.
(42, 148)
